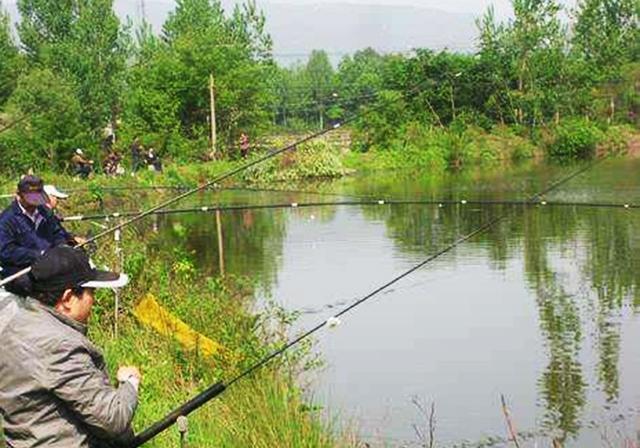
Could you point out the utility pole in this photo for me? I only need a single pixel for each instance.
(213, 115)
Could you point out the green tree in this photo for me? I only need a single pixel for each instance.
(359, 78)
(532, 83)
(606, 33)
(320, 74)
(83, 40)
(170, 86)
(10, 57)
(293, 102)
(52, 128)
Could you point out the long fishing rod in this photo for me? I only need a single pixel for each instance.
(211, 183)
(178, 198)
(220, 387)
(294, 205)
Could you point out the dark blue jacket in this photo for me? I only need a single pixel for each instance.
(21, 243)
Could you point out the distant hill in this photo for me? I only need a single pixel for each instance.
(338, 28)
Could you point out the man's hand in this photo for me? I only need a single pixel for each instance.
(79, 240)
(129, 374)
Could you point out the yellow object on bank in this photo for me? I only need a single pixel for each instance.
(149, 312)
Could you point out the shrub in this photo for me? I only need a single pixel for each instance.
(315, 159)
(575, 139)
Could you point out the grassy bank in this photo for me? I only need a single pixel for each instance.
(266, 410)
(417, 147)
(269, 408)
(438, 149)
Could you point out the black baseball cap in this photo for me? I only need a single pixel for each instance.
(31, 188)
(65, 267)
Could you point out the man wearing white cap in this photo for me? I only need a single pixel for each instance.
(53, 194)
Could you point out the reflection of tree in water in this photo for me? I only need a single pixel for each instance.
(611, 267)
(252, 241)
(562, 384)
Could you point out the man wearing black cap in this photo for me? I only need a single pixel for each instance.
(27, 230)
(54, 389)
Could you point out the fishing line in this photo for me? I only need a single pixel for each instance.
(294, 205)
(219, 387)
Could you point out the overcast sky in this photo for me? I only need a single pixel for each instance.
(476, 7)
(469, 6)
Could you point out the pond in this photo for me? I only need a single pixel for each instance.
(542, 307)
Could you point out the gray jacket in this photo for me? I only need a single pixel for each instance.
(54, 389)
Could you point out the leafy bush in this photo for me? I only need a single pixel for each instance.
(471, 118)
(316, 159)
(575, 139)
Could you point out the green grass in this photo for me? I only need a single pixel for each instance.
(436, 150)
(267, 409)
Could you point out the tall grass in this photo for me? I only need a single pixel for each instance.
(268, 409)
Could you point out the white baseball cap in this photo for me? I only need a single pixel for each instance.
(51, 190)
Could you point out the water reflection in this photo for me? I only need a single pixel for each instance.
(581, 266)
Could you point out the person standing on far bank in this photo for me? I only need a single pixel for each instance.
(54, 388)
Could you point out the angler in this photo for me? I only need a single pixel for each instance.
(27, 229)
(54, 389)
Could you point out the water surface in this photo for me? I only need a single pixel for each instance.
(542, 308)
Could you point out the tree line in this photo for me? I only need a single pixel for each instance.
(70, 68)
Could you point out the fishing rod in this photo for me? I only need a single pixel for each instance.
(181, 196)
(293, 205)
(210, 183)
(220, 387)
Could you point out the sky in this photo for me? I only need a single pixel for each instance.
(476, 7)
(462, 6)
